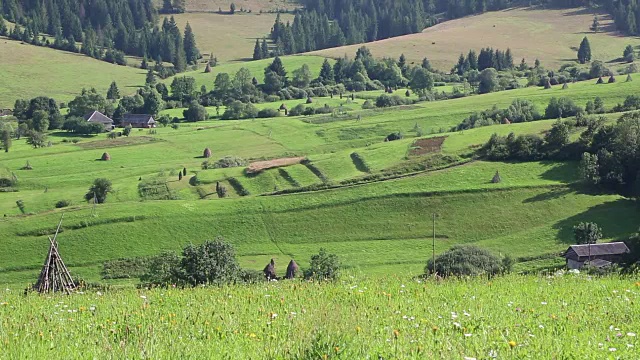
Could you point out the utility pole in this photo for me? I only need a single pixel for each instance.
(433, 249)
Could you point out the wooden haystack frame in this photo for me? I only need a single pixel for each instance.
(54, 276)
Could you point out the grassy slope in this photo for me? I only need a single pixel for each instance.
(380, 226)
(549, 35)
(229, 37)
(253, 5)
(28, 71)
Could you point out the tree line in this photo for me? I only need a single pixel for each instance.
(107, 29)
(331, 23)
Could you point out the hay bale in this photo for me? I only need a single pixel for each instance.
(408, 93)
(270, 270)
(496, 178)
(309, 100)
(292, 269)
(565, 86)
(506, 121)
(283, 107)
(547, 85)
(600, 81)
(208, 68)
(611, 80)
(207, 153)
(105, 157)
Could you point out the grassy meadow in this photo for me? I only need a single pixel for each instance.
(359, 317)
(28, 71)
(230, 38)
(552, 36)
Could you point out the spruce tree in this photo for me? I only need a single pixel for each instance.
(191, 50)
(4, 30)
(427, 65)
(584, 53)
(151, 78)
(326, 73)
(472, 58)
(113, 93)
(180, 57)
(277, 67)
(264, 48)
(257, 51)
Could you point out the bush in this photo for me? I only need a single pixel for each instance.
(368, 105)
(587, 233)
(562, 107)
(163, 269)
(386, 100)
(213, 262)
(297, 110)
(62, 203)
(225, 162)
(394, 136)
(195, 112)
(465, 260)
(268, 113)
(323, 266)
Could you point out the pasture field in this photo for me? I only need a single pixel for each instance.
(208, 6)
(28, 71)
(230, 38)
(379, 227)
(552, 36)
(560, 316)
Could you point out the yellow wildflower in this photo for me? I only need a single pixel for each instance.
(512, 344)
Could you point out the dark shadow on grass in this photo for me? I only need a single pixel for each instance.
(64, 134)
(618, 219)
(563, 171)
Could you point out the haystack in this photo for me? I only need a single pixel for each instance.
(105, 157)
(600, 81)
(207, 153)
(547, 84)
(506, 121)
(54, 276)
(496, 178)
(309, 100)
(611, 79)
(270, 270)
(208, 68)
(565, 86)
(292, 269)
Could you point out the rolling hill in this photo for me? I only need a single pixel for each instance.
(549, 35)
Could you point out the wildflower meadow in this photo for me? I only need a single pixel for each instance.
(568, 316)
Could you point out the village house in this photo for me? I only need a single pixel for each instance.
(138, 121)
(597, 255)
(99, 118)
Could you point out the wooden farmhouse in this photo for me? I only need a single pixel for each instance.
(100, 118)
(138, 121)
(597, 255)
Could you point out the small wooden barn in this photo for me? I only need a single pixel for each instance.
(100, 118)
(138, 121)
(598, 255)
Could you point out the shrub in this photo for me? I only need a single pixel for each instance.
(393, 136)
(368, 105)
(62, 203)
(386, 100)
(225, 162)
(297, 110)
(163, 269)
(195, 112)
(323, 266)
(465, 260)
(213, 262)
(562, 107)
(268, 113)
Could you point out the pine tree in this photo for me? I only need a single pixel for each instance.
(167, 7)
(427, 65)
(191, 50)
(264, 48)
(277, 67)
(472, 58)
(4, 30)
(180, 57)
(257, 51)
(584, 53)
(113, 93)
(144, 64)
(508, 59)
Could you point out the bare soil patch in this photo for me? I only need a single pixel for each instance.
(427, 146)
(258, 166)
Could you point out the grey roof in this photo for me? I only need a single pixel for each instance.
(612, 248)
(138, 118)
(98, 117)
(599, 263)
